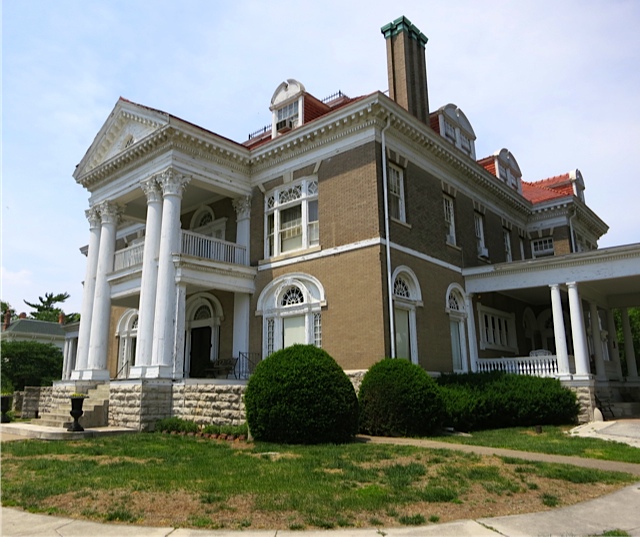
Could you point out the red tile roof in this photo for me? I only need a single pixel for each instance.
(489, 164)
(555, 187)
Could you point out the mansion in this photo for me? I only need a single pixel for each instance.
(366, 225)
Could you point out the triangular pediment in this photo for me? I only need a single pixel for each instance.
(128, 124)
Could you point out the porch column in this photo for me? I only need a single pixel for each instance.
(241, 314)
(243, 225)
(88, 292)
(101, 315)
(172, 185)
(178, 350)
(580, 348)
(596, 337)
(629, 351)
(66, 360)
(149, 278)
(613, 342)
(559, 333)
(471, 333)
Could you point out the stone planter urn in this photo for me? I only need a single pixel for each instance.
(7, 403)
(76, 412)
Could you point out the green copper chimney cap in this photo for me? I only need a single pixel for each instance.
(402, 24)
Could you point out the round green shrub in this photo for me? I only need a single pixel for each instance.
(398, 398)
(300, 395)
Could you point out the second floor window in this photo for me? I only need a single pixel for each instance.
(396, 193)
(542, 247)
(479, 224)
(449, 220)
(292, 221)
(507, 245)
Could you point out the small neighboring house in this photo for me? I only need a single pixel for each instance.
(23, 329)
(366, 226)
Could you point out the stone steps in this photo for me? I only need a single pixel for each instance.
(625, 410)
(95, 408)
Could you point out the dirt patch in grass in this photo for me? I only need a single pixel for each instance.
(485, 487)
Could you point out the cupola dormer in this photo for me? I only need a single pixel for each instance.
(287, 107)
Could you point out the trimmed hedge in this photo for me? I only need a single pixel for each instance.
(300, 395)
(476, 401)
(398, 398)
(178, 425)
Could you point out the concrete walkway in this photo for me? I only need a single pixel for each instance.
(617, 511)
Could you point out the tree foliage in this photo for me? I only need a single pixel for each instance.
(29, 363)
(48, 310)
(634, 322)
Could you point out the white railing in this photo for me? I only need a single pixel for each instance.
(539, 366)
(197, 245)
(128, 257)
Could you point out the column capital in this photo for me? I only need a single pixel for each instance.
(554, 286)
(242, 207)
(151, 189)
(172, 182)
(572, 285)
(110, 212)
(93, 215)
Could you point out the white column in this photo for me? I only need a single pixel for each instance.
(178, 351)
(629, 351)
(101, 315)
(172, 185)
(243, 225)
(88, 292)
(580, 348)
(559, 333)
(471, 331)
(596, 337)
(241, 315)
(66, 365)
(149, 279)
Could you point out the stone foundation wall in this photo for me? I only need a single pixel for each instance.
(138, 405)
(587, 401)
(209, 404)
(356, 376)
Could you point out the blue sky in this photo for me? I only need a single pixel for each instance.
(556, 83)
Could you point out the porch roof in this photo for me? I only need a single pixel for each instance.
(610, 276)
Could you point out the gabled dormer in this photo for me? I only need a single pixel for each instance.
(451, 123)
(505, 167)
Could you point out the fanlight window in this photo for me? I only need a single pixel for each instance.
(205, 219)
(203, 312)
(292, 296)
(400, 288)
(454, 302)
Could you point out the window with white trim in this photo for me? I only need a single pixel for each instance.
(291, 218)
(478, 220)
(395, 179)
(506, 237)
(291, 309)
(127, 334)
(455, 307)
(406, 297)
(542, 247)
(289, 112)
(497, 329)
(449, 218)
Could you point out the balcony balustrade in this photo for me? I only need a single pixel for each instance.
(192, 244)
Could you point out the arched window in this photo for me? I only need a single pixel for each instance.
(204, 222)
(291, 308)
(127, 333)
(406, 297)
(455, 307)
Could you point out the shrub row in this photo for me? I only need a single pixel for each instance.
(476, 401)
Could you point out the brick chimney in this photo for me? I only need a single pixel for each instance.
(406, 67)
(7, 320)
(61, 318)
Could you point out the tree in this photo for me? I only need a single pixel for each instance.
(29, 363)
(47, 310)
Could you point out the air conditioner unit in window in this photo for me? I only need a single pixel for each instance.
(483, 252)
(284, 125)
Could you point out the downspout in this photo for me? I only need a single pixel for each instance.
(573, 240)
(388, 240)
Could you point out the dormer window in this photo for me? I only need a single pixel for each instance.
(454, 126)
(288, 116)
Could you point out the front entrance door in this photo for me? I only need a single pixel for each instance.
(200, 351)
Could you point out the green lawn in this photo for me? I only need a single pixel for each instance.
(187, 481)
(553, 440)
